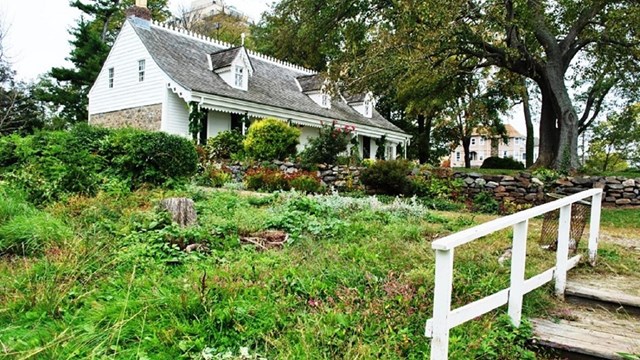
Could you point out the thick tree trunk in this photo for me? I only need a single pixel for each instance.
(548, 132)
(466, 143)
(424, 138)
(567, 152)
(529, 125)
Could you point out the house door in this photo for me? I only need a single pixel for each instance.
(366, 147)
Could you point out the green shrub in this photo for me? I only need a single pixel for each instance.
(330, 142)
(546, 175)
(225, 145)
(306, 182)
(214, 177)
(271, 139)
(508, 163)
(30, 234)
(51, 164)
(484, 202)
(387, 177)
(150, 157)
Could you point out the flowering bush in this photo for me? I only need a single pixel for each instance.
(270, 180)
(331, 141)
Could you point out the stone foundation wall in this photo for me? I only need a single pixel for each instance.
(144, 118)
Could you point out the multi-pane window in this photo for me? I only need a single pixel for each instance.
(367, 108)
(481, 141)
(457, 155)
(111, 76)
(473, 141)
(505, 154)
(325, 100)
(524, 156)
(141, 67)
(239, 76)
(481, 156)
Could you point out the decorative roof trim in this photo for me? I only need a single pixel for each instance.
(225, 45)
(177, 89)
(220, 103)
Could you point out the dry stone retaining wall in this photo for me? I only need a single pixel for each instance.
(522, 188)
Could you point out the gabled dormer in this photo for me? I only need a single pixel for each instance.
(233, 66)
(362, 103)
(316, 87)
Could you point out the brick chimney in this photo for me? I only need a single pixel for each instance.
(140, 10)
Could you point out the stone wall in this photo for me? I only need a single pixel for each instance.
(520, 189)
(144, 118)
(523, 188)
(339, 176)
(618, 190)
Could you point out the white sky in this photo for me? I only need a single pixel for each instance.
(37, 31)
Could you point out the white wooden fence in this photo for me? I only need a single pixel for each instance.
(445, 319)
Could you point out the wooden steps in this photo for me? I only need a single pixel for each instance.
(621, 293)
(603, 322)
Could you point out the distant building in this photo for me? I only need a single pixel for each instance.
(481, 149)
(206, 8)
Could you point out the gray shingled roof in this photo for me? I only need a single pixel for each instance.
(184, 59)
(356, 98)
(312, 82)
(223, 58)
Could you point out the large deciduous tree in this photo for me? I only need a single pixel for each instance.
(544, 41)
(93, 36)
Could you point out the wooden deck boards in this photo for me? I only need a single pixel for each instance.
(623, 291)
(596, 333)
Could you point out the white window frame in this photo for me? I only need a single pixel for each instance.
(481, 141)
(142, 65)
(524, 156)
(457, 155)
(505, 153)
(473, 141)
(368, 108)
(111, 77)
(239, 77)
(325, 100)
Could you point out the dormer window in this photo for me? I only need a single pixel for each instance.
(233, 66)
(325, 100)
(368, 107)
(239, 77)
(362, 103)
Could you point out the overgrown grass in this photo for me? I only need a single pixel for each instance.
(355, 281)
(620, 218)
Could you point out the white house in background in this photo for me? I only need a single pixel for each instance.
(153, 73)
(480, 149)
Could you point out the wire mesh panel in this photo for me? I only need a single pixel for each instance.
(580, 212)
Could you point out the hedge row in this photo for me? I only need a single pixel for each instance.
(51, 164)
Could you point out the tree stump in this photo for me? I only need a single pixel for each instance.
(182, 211)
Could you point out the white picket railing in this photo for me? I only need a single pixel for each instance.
(445, 319)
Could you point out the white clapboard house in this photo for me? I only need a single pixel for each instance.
(154, 72)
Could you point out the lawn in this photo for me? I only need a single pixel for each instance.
(355, 280)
